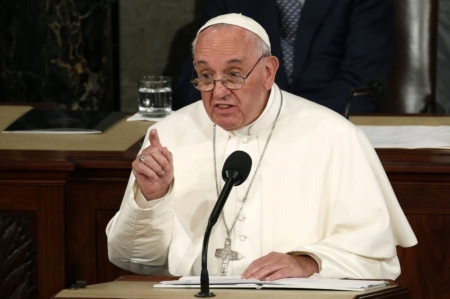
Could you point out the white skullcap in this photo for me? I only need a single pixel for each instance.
(241, 21)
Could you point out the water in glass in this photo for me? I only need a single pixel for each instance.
(155, 96)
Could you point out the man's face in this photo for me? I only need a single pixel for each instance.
(223, 51)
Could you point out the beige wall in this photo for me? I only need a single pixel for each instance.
(147, 30)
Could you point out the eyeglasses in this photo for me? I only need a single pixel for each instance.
(232, 81)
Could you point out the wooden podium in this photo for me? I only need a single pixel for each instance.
(134, 286)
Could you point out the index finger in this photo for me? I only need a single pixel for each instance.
(154, 139)
(253, 268)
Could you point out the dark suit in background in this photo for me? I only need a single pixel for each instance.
(340, 44)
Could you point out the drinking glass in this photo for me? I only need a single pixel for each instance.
(155, 96)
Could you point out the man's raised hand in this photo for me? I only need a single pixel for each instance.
(153, 168)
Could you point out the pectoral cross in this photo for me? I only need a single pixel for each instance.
(227, 255)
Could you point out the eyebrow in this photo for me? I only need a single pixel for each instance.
(203, 62)
(200, 62)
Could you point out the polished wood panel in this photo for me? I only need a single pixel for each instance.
(46, 199)
(106, 270)
(421, 182)
(425, 267)
(87, 220)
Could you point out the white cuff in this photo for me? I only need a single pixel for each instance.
(149, 204)
(314, 256)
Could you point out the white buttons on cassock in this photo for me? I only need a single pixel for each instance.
(245, 140)
(242, 238)
(241, 218)
(240, 198)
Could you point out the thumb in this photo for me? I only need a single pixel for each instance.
(154, 139)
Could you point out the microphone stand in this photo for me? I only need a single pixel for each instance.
(357, 91)
(375, 90)
(349, 101)
(204, 276)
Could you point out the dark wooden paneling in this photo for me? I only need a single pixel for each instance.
(424, 199)
(47, 201)
(86, 220)
(425, 267)
(50, 239)
(106, 270)
(17, 197)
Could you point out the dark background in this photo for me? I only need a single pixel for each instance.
(89, 54)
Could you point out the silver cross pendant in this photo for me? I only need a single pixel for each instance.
(227, 255)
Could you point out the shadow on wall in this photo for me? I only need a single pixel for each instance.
(180, 47)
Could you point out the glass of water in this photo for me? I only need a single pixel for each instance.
(155, 96)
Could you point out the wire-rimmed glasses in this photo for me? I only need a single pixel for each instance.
(232, 81)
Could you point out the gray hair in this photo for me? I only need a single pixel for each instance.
(259, 43)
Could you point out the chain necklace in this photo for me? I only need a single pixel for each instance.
(226, 253)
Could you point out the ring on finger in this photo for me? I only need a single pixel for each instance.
(142, 159)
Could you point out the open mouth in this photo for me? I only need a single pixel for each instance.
(223, 106)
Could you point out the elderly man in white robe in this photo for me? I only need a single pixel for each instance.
(317, 201)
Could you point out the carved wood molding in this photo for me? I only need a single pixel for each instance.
(16, 259)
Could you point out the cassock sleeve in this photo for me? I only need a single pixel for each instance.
(365, 222)
(139, 234)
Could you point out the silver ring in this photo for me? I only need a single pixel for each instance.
(141, 159)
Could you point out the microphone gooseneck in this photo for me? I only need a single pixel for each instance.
(377, 90)
(235, 171)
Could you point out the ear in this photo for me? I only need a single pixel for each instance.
(272, 65)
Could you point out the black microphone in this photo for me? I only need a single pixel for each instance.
(235, 171)
(377, 90)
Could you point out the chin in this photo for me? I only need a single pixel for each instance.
(227, 125)
(226, 128)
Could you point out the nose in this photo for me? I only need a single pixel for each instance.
(220, 90)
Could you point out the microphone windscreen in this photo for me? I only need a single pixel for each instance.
(240, 162)
(382, 89)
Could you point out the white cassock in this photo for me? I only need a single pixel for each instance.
(320, 190)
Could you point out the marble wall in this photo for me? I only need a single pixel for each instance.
(155, 37)
(58, 51)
